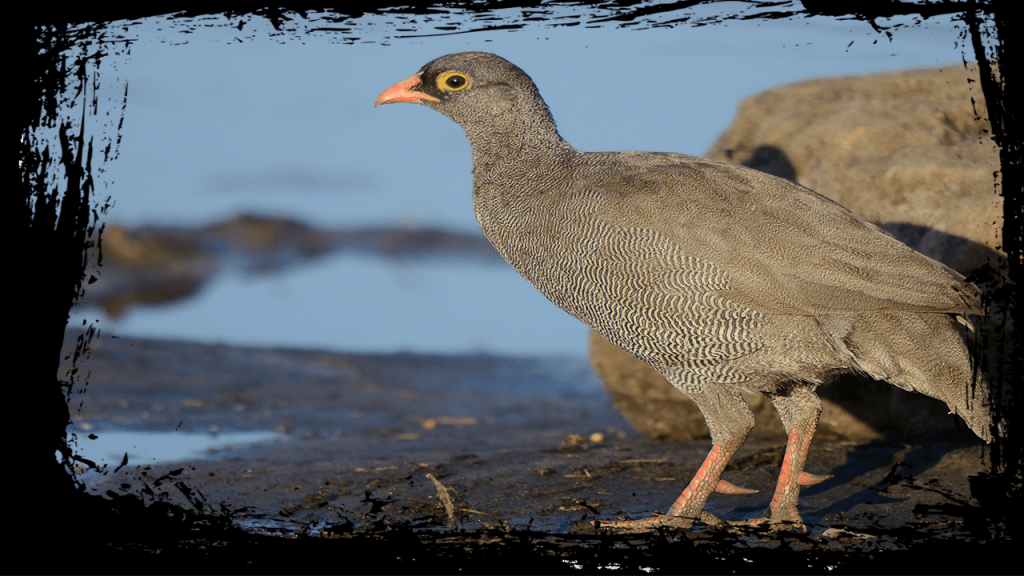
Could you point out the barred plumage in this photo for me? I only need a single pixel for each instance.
(722, 278)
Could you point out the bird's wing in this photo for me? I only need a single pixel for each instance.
(633, 285)
(783, 249)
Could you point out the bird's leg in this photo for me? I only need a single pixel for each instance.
(689, 507)
(690, 504)
(799, 412)
(730, 420)
(787, 491)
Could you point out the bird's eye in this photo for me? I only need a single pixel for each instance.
(452, 81)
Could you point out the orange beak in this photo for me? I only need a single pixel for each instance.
(402, 92)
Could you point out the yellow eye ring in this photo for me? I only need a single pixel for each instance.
(453, 81)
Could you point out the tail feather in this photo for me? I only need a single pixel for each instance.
(921, 352)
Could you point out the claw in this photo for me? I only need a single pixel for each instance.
(726, 487)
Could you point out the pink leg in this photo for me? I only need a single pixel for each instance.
(783, 508)
(689, 507)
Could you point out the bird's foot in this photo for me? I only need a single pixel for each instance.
(778, 520)
(649, 524)
(689, 507)
(659, 522)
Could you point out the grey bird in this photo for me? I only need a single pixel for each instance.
(722, 278)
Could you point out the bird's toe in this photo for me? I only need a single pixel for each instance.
(781, 520)
(651, 523)
(808, 479)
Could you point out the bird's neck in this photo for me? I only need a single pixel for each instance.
(517, 148)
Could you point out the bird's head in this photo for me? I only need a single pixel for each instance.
(480, 91)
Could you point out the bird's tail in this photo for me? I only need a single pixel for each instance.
(923, 352)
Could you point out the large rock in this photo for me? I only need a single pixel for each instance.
(909, 150)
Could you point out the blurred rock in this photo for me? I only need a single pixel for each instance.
(160, 264)
(147, 266)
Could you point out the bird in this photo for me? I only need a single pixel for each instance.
(722, 278)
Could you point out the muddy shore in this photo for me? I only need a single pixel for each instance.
(522, 445)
